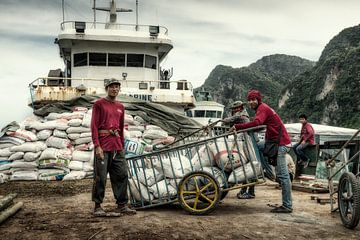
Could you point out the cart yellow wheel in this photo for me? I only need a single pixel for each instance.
(199, 193)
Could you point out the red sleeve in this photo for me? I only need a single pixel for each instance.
(95, 125)
(121, 125)
(259, 120)
(309, 133)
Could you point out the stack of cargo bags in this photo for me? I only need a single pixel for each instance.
(59, 146)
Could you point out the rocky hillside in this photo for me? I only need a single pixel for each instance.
(269, 75)
(329, 92)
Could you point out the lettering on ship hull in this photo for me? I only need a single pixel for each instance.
(145, 97)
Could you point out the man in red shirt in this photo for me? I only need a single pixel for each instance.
(306, 139)
(107, 129)
(274, 127)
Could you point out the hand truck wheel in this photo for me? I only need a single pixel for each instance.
(199, 193)
(349, 200)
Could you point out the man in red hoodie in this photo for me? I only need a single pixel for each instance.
(107, 129)
(306, 139)
(274, 127)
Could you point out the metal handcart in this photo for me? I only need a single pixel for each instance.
(196, 172)
(347, 192)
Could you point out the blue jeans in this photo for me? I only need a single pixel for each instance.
(299, 151)
(282, 173)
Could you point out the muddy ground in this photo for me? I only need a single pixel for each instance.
(57, 210)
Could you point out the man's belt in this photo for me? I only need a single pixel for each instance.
(114, 132)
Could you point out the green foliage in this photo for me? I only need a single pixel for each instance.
(275, 75)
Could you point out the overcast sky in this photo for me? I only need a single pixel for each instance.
(205, 33)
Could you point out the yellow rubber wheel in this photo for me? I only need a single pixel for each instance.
(199, 193)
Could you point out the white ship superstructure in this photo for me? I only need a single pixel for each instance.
(132, 53)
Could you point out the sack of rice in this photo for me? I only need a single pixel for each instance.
(82, 156)
(59, 134)
(23, 134)
(31, 156)
(29, 147)
(238, 175)
(139, 192)
(75, 122)
(163, 189)
(134, 147)
(173, 166)
(58, 142)
(74, 175)
(44, 134)
(154, 133)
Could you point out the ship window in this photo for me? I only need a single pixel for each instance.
(135, 60)
(188, 113)
(150, 62)
(219, 114)
(116, 59)
(80, 59)
(199, 113)
(211, 114)
(97, 59)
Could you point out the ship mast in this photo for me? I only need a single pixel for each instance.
(112, 10)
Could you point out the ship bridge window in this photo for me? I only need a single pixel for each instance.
(199, 113)
(116, 59)
(210, 114)
(97, 59)
(135, 60)
(219, 114)
(80, 59)
(150, 61)
(188, 113)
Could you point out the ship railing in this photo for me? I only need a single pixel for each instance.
(117, 26)
(96, 82)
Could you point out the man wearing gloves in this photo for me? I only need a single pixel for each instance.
(240, 115)
(275, 131)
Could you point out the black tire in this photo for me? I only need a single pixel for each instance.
(204, 199)
(349, 200)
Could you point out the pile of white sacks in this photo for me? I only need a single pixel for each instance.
(59, 146)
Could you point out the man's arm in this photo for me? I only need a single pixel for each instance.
(95, 131)
(121, 126)
(259, 120)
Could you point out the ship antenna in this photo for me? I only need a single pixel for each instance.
(63, 11)
(137, 16)
(94, 7)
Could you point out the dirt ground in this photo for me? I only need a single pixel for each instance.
(57, 210)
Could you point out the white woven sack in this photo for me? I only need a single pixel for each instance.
(135, 134)
(82, 156)
(174, 167)
(86, 122)
(228, 157)
(58, 142)
(154, 133)
(75, 122)
(16, 156)
(29, 147)
(163, 189)
(24, 176)
(76, 165)
(74, 136)
(136, 128)
(75, 175)
(23, 134)
(148, 176)
(129, 119)
(240, 172)
(44, 134)
(55, 153)
(5, 152)
(204, 157)
(77, 130)
(32, 156)
(85, 134)
(59, 133)
(82, 140)
(138, 191)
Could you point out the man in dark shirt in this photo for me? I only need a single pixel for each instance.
(107, 129)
